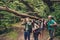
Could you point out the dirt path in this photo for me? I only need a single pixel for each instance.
(46, 36)
(21, 36)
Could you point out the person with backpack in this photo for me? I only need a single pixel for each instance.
(42, 26)
(36, 30)
(28, 28)
(51, 26)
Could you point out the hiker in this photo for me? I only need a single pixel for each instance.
(28, 29)
(51, 24)
(42, 27)
(36, 31)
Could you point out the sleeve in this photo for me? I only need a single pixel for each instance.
(53, 21)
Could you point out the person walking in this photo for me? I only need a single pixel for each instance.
(36, 31)
(28, 29)
(51, 24)
(42, 27)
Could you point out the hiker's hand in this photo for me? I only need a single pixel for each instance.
(51, 24)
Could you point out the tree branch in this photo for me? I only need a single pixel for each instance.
(15, 12)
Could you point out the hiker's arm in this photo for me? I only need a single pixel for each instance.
(37, 26)
(54, 24)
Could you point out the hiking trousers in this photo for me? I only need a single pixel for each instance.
(51, 33)
(27, 35)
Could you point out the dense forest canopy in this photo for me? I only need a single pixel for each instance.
(31, 7)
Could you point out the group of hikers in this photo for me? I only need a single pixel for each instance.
(38, 27)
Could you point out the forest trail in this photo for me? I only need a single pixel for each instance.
(19, 29)
(21, 33)
(21, 36)
(45, 37)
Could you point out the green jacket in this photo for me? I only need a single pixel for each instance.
(28, 26)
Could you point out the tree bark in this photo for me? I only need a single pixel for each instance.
(16, 12)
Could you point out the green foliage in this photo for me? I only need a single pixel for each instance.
(56, 13)
(12, 35)
(39, 6)
(7, 19)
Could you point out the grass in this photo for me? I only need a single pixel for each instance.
(12, 35)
